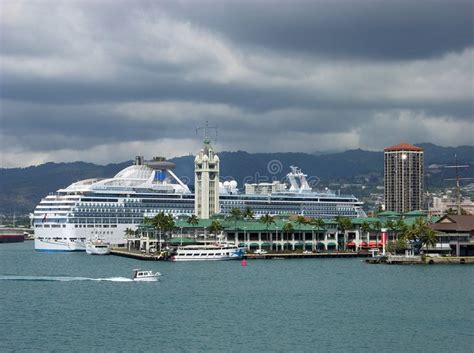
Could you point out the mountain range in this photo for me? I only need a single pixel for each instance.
(23, 188)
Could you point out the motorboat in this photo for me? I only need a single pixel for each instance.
(145, 276)
(97, 247)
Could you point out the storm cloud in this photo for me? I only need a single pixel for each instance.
(104, 80)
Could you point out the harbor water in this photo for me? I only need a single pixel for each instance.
(77, 302)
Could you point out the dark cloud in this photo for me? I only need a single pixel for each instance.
(386, 30)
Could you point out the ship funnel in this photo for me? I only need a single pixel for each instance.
(139, 160)
(160, 163)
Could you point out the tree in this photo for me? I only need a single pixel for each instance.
(235, 214)
(248, 213)
(287, 229)
(193, 220)
(268, 220)
(163, 222)
(215, 227)
(365, 226)
(391, 226)
(343, 224)
(301, 220)
(419, 234)
(429, 238)
(318, 223)
(129, 231)
(396, 247)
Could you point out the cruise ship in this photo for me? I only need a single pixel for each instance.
(106, 208)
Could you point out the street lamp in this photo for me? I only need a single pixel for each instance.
(245, 238)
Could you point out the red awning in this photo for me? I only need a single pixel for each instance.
(351, 244)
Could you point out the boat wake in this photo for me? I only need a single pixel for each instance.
(63, 279)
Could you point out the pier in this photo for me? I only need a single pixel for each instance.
(134, 254)
(421, 260)
(325, 255)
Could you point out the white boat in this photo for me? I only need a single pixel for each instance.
(97, 247)
(215, 251)
(145, 276)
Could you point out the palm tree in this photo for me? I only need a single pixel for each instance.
(268, 220)
(163, 222)
(420, 234)
(343, 224)
(376, 227)
(287, 229)
(215, 227)
(391, 226)
(193, 220)
(248, 213)
(366, 228)
(429, 237)
(318, 223)
(235, 214)
(300, 220)
(129, 231)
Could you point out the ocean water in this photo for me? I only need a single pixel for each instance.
(80, 303)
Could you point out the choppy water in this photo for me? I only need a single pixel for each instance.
(77, 302)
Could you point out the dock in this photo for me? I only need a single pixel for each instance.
(322, 255)
(421, 260)
(134, 254)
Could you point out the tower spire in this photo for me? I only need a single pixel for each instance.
(205, 129)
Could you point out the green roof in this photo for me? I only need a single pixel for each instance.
(387, 214)
(250, 225)
(415, 214)
(361, 220)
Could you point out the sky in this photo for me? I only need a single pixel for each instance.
(103, 81)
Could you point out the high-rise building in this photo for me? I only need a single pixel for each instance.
(206, 182)
(404, 178)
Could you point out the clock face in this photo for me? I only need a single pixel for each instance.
(404, 156)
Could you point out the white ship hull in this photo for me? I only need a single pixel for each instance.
(69, 238)
(50, 245)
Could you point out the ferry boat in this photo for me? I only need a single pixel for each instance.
(97, 247)
(206, 252)
(107, 208)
